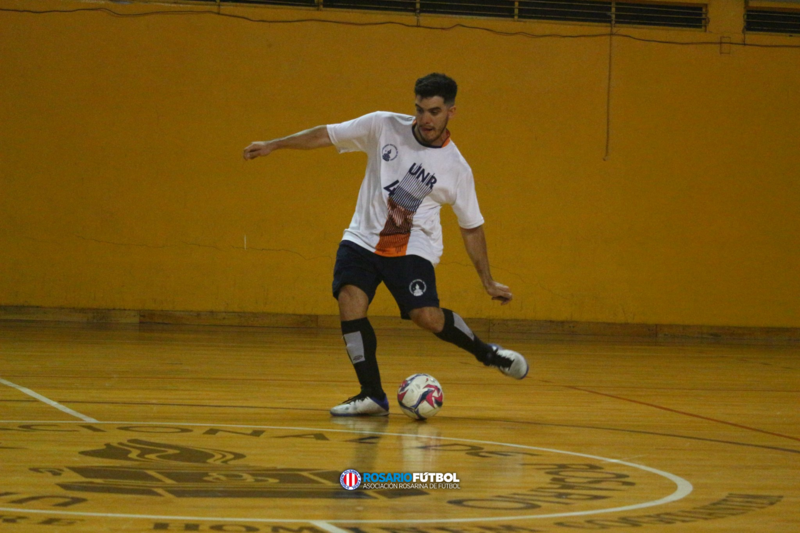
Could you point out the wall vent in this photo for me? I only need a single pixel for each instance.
(398, 6)
(772, 21)
(664, 15)
(566, 11)
(472, 8)
(655, 14)
(298, 3)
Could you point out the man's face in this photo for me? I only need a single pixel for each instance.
(432, 116)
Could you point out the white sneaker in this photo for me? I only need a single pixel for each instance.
(508, 362)
(362, 405)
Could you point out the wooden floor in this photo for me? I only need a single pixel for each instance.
(167, 428)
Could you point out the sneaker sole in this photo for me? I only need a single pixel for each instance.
(359, 414)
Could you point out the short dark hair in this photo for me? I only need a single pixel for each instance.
(436, 84)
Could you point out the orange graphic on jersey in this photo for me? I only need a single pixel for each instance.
(394, 237)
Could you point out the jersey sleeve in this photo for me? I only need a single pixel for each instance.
(466, 204)
(355, 135)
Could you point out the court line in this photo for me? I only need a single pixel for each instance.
(676, 411)
(328, 527)
(48, 401)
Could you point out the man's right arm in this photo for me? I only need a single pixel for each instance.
(305, 140)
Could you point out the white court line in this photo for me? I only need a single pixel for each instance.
(48, 401)
(328, 527)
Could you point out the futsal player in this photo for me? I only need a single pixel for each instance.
(395, 236)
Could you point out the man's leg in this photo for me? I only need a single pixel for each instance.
(360, 339)
(412, 282)
(450, 327)
(355, 278)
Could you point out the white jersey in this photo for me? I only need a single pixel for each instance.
(405, 186)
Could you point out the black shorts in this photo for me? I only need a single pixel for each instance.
(409, 278)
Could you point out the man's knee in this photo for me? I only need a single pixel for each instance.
(353, 303)
(430, 318)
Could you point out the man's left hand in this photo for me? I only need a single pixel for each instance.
(499, 292)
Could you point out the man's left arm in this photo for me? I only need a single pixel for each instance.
(475, 243)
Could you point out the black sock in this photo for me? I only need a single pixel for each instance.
(359, 337)
(457, 332)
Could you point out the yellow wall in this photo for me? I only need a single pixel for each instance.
(123, 184)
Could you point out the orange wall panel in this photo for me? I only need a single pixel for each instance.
(676, 201)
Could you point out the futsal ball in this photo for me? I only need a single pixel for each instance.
(420, 396)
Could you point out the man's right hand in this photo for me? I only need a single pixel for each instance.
(305, 140)
(258, 149)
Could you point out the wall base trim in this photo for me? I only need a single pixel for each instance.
(487, 328)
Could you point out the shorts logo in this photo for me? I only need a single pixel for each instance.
(350, 479)
(389, 152)
(417, 287)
